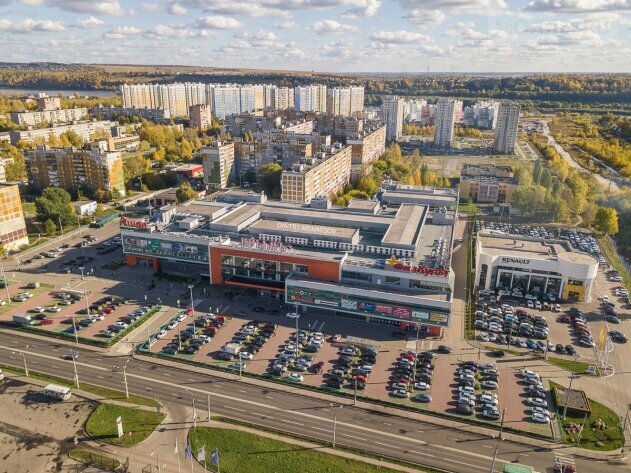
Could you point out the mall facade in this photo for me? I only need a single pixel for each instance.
(532, 265)
(386, 264)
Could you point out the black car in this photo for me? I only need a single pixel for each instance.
(570, 350)
(560, 349)
(223, 355)
(618, 337)
(333, 384)
(497, 353)
(464, 409)
(28, 261)
(444, 349)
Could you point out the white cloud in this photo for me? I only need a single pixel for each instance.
(260, 37)
(217, 23)
(425, 17)
(150, 8)
(175, 31)
(286, 25)
(597, 21)
(577, 6)
(90, 22)
(102, 7)
(29, 25)
(323, 27)
(30, 3)
(121, 32)
(356, 8)
(399, 37)
(177, 9)
(468, 7)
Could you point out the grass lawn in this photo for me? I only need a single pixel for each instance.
(137, 424)
(15, 307)
(578, 367)
(249, 453)
(468, 208)
(594, 438)
(614, 258)
(99, 391)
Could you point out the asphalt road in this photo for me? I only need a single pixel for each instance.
(407, 439)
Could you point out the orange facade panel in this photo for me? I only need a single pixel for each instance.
(325, 270)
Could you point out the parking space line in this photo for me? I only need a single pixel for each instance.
(292, 422)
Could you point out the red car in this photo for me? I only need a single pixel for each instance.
(408, 356)
(107, 310)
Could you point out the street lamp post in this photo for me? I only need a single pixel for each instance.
(190, 287)
(499, 439)
(418, 328)
(124, 369)
(193, 404)
(6, 283)
(85, 292)
(335, 424)
(74, 329)
(74, 365)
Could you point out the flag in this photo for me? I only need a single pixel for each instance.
(188, 453)
(176, 450)
(214, 458)
(201, 454)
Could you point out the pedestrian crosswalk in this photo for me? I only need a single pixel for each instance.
(564, 461)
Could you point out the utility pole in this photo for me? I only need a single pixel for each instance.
(190, 287)
(209, 408)
(85, 292)
(499, 439)
(25, 367)
(125, 379)
(74, 329)
(580, 432)
(74, 365)
(61, 227)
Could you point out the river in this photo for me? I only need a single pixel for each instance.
(87, 92)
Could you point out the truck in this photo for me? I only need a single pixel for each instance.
(22, 319)
(232, 348)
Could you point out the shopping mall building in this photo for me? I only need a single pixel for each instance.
(388, 264)
(533, 265)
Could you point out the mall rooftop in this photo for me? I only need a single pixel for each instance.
(369, 232)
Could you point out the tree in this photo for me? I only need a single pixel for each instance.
(49, 227)
(136, 166)
(55, 204)
(606, 220)
(589, 214)
(269, 179)
(185, 193)
(73, 139)
(186, 150)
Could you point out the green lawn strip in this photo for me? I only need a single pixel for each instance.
(610, 438)
(88, 457)
(90, 388)
(249, 453)
(578, 367)
(137, 424)
(614, 259)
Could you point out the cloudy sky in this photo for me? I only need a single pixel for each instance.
(325, 35)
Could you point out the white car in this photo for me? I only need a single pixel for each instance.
(605, 298)
(529, 374)
(535, 401)
(529, 304)
(161, 334)
(540, 410)
(246, 355)
(530, 297)
(295, 377)
(26, 295)
(171, 325)
(540, 418)
(421, 386)
(483, 337)
(37, 310)
(396, 386)
(120, 323)
(486, 399)
(54, 309)
(489, 384)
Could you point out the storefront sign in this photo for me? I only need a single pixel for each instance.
(384, 309)
(256, 244)
(348, 304)
(394, 263)
(136, 223)
(302, 228)
(523, 261)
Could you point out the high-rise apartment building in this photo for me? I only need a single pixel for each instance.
(12, 226)
(345, 101)
(481, 115)
(75, 169)
(445, 117)
(368, 144)
(310, 98)
(392, 110)
(320, 176)
(44, 103)
(201, 117)
(49, 116)
(218, 161)
(506, 130)
(176, 98)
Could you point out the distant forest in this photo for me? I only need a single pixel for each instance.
(612, 90)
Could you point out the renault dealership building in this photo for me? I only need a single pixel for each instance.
(533, 265)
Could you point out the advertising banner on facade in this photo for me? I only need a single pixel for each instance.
(324, 298)
(159, 248)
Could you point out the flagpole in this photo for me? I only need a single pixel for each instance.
(178, 461)
(218, 460)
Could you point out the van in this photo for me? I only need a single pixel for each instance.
(32, 285)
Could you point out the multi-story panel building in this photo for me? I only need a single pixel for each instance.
(357, 101)
(159, 115)
(85, 130)
(3, 170)
(492, 170)
(320, 176)
(392, 110)
(488, 183)
(45, 103)
(368, 144)
(12, 226)
(201, 117)
(481, 115)
(176, 98)
(218, 161)
(310, 98)
(445, 118)
(73, 169)
(506, 130)
(338, 101)
(49, 116)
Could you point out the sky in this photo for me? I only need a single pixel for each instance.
(325, 35)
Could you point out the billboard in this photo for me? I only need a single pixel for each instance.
(149, 246)
(393, 311)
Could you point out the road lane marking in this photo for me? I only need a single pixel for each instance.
(191, 380)
(166, 374)
(259, 414)
(234, 408)
(292, 422)
(54, 366)
(420, 453)
(100, 377)
(386, 445)
(319, 428)
(242, 391)
(453, 438)
(269, 397)
(486, 446)
(387, 423)
(355, 437)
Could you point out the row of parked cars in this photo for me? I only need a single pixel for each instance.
(413, 371)
(292, 355)
(121, 324)
(470, 376)
(195, 335)
(247, 341)
(535, 396)
(353, 367)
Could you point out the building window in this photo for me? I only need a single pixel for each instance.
(392, 280)
(356, 276)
